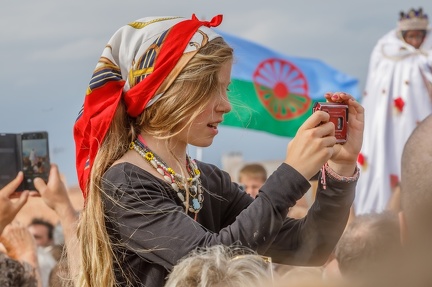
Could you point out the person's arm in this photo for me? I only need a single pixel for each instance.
(310, 241)
(147, 218)
(319, 231)
(10, 207)
(21, 246)
(55, 196)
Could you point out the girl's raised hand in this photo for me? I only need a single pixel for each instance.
(344, 157)
(313, 145)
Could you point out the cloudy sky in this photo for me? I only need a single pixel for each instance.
(49, 49)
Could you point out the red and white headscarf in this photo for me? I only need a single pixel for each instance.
(139, 63)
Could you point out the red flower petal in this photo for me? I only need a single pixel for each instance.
(399, 104)
(361, 159)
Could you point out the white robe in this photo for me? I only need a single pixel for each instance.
(398, 73)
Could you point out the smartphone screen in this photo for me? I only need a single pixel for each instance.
(9, 158)
(35, 157)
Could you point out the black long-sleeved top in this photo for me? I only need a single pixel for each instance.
(150, 230)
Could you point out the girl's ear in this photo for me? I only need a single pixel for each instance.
(403, 228)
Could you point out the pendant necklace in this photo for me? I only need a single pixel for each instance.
(188, 189)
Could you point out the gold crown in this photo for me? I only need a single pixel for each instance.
(413, 20)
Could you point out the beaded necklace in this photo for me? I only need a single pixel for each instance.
(189, 190)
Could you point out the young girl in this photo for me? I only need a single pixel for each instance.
(161, 85)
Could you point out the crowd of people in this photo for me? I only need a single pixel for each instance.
(153, 216)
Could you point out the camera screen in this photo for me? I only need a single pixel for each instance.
(35, 157)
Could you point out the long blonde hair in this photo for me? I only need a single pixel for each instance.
(177, 108)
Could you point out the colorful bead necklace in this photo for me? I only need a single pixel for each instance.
(188, 189)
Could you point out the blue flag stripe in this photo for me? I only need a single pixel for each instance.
(320, 77)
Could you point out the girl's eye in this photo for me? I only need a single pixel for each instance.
(228, 90)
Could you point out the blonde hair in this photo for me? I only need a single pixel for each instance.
(255, 170)
(187, 97)
(183, 102)
(220, 266)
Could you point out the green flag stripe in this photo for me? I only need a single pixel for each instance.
(249, 112)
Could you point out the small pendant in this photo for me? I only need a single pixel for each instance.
(195, 204)
(193, 190)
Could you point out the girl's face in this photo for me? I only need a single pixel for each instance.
(204, 128)
(414, 37)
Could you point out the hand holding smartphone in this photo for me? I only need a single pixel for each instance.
(27, 152)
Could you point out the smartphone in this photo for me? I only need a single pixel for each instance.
(9, 158)
(27, 152)
(338, 116)
(35, 160)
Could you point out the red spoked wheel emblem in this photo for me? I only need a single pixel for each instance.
(282, 89)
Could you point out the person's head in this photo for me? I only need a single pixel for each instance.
(167, 79)
(219, 266)
(416, 196)
(14, 273)
(42, 231)
(369, 250)
(413, 26)
(252, 176)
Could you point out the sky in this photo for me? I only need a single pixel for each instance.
(48, 50)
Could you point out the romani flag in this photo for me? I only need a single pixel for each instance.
(275, 93)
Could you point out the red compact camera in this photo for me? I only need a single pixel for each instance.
(338, 116)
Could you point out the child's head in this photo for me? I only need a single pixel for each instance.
(252, 177)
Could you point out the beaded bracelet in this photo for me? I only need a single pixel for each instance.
(327, 170)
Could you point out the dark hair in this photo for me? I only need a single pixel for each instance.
(15, 273)
(47, 224)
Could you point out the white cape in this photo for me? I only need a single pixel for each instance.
(398, 95)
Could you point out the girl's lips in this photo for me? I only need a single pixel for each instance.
(213, 125)
(214, 128)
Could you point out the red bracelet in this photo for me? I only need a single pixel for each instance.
(327, 170)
